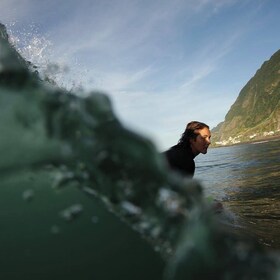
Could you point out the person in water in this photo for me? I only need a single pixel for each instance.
(194, 140)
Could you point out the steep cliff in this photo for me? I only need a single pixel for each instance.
(256, 111)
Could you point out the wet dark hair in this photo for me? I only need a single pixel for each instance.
(190, 133)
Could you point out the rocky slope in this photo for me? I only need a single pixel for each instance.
(256, 112)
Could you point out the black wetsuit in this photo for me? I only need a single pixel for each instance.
(181, 159)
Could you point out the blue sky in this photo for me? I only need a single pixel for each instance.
(163, 63)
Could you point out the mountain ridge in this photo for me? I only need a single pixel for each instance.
(256, 112)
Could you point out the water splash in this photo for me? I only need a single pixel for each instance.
(30, 44)
(38, 50)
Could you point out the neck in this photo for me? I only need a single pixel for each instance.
(194, 151)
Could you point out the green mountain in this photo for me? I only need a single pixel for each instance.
(256, 112)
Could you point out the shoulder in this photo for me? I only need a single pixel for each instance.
(173, 152)
(178, 151)
(174, 149)
(180, 159)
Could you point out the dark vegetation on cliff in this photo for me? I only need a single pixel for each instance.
(256, 112)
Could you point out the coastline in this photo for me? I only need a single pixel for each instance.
(253, 141)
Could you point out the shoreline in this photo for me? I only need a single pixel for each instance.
(254, 141)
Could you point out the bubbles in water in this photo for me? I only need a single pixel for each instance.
(71, 212)
(89, 191)
(55, 229)
(28, 195)
(170, 201)
(94, 219)
(130, 208)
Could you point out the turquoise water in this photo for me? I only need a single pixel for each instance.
(247, 179)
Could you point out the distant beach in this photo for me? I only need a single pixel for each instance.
(253, 141)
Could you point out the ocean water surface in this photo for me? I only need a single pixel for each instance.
(246, 178)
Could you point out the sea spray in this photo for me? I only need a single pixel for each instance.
(51, 67)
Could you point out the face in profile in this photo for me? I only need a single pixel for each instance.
(202, 141)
